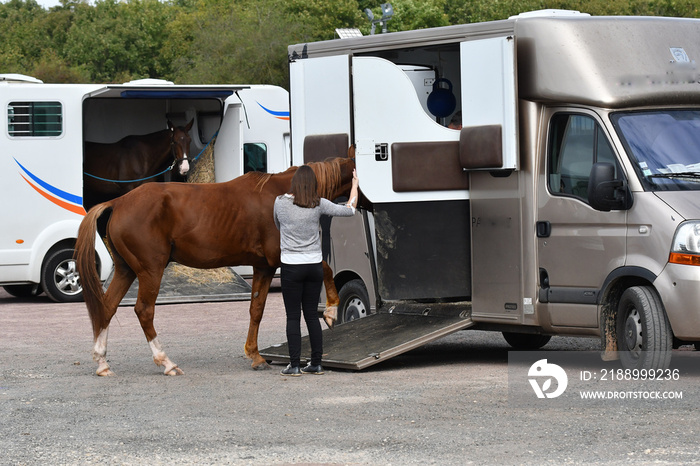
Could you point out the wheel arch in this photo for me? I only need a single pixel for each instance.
(609, 298)
(344, 276)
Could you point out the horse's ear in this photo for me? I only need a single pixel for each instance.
(171, 127)
(189, 125)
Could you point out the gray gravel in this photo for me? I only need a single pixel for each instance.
(444, 403)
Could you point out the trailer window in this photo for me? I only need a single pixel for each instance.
(254, 157)
(576, 142)
(34, 119)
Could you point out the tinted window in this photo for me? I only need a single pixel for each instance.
(576, 142)
(254, 157)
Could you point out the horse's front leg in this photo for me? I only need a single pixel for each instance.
(145, 310)
(330, 314)
(260, 288)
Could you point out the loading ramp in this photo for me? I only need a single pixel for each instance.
(364, 342)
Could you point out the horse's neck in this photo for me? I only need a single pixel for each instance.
(160, 150)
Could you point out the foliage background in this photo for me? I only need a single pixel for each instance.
(229, 41)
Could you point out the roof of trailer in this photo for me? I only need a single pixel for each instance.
(608, 61)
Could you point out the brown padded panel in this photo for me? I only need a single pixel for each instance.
(319, 147)
(481, 147)
(427, 166)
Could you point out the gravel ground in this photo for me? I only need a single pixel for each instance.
(444, 403)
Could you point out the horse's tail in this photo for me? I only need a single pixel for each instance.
(86, 264)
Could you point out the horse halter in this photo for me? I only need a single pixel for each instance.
(184, 165)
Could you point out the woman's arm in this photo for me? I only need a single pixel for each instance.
(353, 191)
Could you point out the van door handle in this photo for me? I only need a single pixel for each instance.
(544, 229)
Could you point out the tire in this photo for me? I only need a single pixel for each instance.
(644, 336)
(526, 341)
(354, 301)
(60, 279)
(24, 291)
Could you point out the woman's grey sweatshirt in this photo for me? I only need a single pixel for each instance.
(300, 237)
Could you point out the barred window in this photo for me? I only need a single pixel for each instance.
(34, 119)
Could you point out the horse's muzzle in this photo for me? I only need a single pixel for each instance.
(184, 167)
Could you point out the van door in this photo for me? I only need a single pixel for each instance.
(577, 246)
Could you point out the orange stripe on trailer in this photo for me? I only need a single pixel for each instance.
(77, 209)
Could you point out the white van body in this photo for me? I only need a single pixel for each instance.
(568, 203)
(43, 132)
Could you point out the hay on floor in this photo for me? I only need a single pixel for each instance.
(203, 172)
(203, 276)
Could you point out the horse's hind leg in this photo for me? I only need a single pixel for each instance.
(121, 281)
(330, 314)
(149, 285)
(261, 286)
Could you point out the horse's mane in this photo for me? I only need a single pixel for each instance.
(327, 176)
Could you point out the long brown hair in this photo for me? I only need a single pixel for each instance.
(304, 187)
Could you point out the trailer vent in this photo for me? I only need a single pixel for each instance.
(381, 152)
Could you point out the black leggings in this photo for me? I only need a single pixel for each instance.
(301, 289)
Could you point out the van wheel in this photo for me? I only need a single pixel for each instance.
(354, 301)
(60, 279)
(24, 291)
(644, 337)
(526, 341)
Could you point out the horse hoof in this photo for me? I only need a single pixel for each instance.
(330, 315)
(105, 373)
(175, 371)
(261, 366)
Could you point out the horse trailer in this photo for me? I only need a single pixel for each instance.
(567, 204)
(44, 134)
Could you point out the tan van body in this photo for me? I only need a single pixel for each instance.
(567, 204)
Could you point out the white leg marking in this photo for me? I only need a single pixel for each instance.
(161, 359)
(99, 353)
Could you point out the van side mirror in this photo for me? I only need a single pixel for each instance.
(605, 193)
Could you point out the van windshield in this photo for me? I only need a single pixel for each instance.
(665, 146)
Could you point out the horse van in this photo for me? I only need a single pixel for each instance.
(565, 202)
(45, 132)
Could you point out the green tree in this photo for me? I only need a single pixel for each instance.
(226, 41)
(21, 35)
(411, 14)
(118, 41)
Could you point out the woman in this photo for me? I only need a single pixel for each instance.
(297, 217)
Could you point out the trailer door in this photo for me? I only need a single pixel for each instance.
(228, 150)
(403, 154)
(320, 108)
(489, 90)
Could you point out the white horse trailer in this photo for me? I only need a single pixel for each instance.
(44, 131)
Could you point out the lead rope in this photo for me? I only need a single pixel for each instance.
(157, 174)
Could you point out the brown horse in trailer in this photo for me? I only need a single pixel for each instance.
(115, 169)
(197, 225)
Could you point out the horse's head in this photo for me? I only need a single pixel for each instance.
(334, 176)
(180, 141)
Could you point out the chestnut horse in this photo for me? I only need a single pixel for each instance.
(197, 225)
(115, 169)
